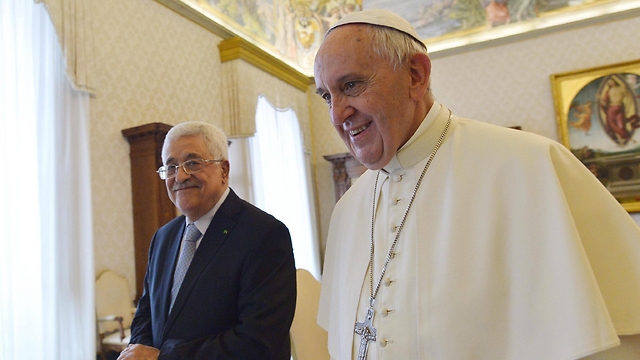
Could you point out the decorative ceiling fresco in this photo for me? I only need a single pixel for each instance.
(437, 18)
(293, 27)
(291, 30)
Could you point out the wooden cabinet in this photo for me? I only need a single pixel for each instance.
(152, 207)
(345, 170)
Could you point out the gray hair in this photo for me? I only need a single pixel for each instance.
(213, 136)
(395, 45)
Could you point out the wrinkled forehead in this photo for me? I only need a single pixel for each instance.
(348, 41)
(185, 146)
(342, 51)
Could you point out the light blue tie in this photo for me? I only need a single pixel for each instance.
(186, 255)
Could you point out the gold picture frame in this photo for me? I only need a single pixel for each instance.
(598, 118)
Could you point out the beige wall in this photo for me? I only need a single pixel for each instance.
(509, 84)
(153, 65)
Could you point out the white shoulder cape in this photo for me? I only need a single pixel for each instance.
(524, 253)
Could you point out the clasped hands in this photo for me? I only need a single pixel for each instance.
(139, 352)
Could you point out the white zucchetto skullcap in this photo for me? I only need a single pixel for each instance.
(378, 17)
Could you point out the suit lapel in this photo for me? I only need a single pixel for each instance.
(169, 264)
(214, 237)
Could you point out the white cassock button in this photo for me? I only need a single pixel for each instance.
(388, 282)
(393, 228)
(386, 312)
(385, 342)
(394, 201)
(397, 177)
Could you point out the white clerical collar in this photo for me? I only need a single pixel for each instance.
(423, 141)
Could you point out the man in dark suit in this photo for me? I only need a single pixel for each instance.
(238, 295)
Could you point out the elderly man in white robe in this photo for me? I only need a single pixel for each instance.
(463, 240)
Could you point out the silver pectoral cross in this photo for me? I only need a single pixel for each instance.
(367, 333)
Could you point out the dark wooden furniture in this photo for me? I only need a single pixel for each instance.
(151, 205)
(345, 170)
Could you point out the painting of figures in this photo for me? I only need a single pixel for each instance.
(437, 18)
(599, 121)
(293, 27)
(292, 30)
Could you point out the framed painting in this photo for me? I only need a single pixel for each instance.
(598, 116)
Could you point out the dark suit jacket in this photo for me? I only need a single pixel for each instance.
(238, 297)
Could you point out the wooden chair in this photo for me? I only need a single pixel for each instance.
(308, 339)
(114, 309)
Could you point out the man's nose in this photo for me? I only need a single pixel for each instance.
(182, 175)
(340, 110)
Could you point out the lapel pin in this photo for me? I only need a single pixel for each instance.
(225, 232)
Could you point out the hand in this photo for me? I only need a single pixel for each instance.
(139, 352)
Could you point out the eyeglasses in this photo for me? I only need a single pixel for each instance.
(190, 166)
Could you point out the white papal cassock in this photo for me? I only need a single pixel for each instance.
(512, 250)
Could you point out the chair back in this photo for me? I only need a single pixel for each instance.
(113, 299)
(308, 339)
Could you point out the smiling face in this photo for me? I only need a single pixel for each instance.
(372, 106)
(194, 195)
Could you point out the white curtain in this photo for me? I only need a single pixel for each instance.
(73, 20)
(240, 174)
(46, 247)
(281, 180)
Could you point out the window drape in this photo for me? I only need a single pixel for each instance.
(243, 84)
(46, 246)
(281, 180)
(72, 20)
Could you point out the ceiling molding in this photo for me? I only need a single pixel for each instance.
(197, 17)
(239, 48)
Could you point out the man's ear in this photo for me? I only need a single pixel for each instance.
(225, 170)
(420, 72)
